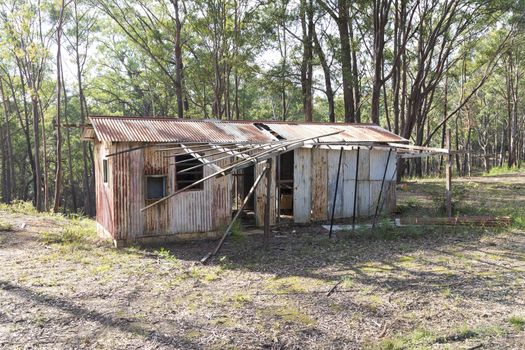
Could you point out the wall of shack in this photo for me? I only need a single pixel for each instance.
(315, 174)
(192, 214)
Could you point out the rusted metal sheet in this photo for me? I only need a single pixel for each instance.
(132, 129)
(120, 200)
(350, 133)
(122, 129)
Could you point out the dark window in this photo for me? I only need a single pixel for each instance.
(105, 170)
(193, 171)
(155, 187)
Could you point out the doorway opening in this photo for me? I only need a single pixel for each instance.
(285, 188)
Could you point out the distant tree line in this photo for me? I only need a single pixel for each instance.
(413, 67)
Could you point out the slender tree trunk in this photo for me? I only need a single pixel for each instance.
(8, 153)
(72, 183)
(44, 156)
(327, 78)
(307, 24)
(381, 10)
(86, 166)
(178, 61)
(346, 61)
(58, 168)
(24, 122)
(356, 91)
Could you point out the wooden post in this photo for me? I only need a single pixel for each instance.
(335, 193)
(381, 190)
(355, 188)
(278, 188)
(448, 177)
(268, 202)
(239, 211)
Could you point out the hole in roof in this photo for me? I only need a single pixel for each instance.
(262, 126)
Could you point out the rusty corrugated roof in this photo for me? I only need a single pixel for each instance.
(134, 129)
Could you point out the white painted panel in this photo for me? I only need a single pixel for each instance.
(375, 189)
(363, 198)
(364, 164)
(378, 162)
(348, 198)
(333, 162)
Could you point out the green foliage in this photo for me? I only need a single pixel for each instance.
(75, 235)
(4, 226)
(518, 322)
(166, 255)
(20, 207)
(501, 170)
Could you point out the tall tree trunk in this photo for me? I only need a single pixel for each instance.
(72, 183)
(178, 61)
(356, 92)
(346, 60)
(86, 165)
(44, 156)
(8, 153)
(58, 168)
(36, 138)
(307, 24)
(380, 14)
(327, 78)
(24, 123)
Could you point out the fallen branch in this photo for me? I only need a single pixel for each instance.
(333, 288)
(459, 220)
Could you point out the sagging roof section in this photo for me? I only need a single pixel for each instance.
(134, 129)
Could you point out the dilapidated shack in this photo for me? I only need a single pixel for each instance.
(171, 179)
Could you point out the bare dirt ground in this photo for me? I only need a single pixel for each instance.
(397, 288)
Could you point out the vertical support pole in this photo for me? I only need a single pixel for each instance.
(381, 190)
(267, 203)
(448, 176)
(355, 188)
(278, 188)
(335, 193)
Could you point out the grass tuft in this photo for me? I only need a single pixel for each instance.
(4, 226)
(517, 322)
(501, 170)
(78, 233)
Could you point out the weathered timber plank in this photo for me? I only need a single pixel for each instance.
(302, 185)
(319, 184)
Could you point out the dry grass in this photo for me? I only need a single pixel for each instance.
(439, 288)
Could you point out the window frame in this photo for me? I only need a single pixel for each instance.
(164, 187)
(198, 171)
(105, 171)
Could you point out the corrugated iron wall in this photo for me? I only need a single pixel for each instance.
(119, 202)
